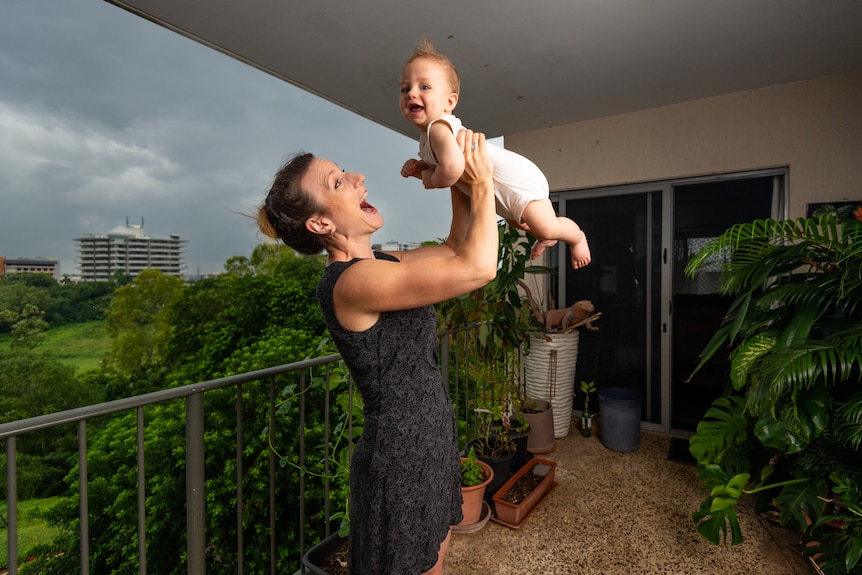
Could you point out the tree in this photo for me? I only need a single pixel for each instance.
(33, 383)
(17, 295)
(138, 321)
(28, 331)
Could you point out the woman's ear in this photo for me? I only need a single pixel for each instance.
(319, 225)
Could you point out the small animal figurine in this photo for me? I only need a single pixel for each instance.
(579, 312)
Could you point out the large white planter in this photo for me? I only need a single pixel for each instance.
(549, 374)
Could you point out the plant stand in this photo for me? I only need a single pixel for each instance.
(549, 373)
(514, 514)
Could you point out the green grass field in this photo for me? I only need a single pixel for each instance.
(31, 529)
(82, 345)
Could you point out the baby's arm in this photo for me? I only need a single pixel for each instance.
(413, 168)
(450, 158)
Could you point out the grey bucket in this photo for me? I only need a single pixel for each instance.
(620, 409)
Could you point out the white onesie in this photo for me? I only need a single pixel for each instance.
(517, 180)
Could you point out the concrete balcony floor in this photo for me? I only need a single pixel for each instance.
(622, 514)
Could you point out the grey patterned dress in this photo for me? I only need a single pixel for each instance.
(405, 482)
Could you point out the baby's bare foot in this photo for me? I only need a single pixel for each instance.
(580, 254)
(540, 246)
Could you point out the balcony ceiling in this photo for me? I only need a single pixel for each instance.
(527, 64)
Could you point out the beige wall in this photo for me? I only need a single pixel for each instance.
(814, 128)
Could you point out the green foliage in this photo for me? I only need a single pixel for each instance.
(588, 388)
(471, 472)
(16, 296)
(138, 321)
(33, 529)
(790, 429)
(35, 383)
(215, 317)
(333, 443)
(505, 317)
(838, 535)
(169, 334)
(61, 303)
(27, 331)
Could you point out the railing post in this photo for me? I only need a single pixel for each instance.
(83, 498)
(12, 504)
(302, 466)
(142, 494)
(195, 500)
(273, 550)
(240, 537)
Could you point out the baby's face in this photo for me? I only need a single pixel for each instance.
(425, 92)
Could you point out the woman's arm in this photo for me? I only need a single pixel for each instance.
(457, 231)
(370, 287)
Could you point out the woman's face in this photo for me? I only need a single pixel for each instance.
(342, 196)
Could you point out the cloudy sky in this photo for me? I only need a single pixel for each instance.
(105, 116)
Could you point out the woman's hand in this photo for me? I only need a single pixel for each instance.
(478, 165)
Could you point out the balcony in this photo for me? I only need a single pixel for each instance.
(611, 513)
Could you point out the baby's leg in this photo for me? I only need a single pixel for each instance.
(544, 223)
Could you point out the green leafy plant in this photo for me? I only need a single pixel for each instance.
(471, 472)
(334, 465)
(588, 387)
(789, 430)
(504, 316)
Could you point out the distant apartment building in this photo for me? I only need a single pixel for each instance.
(395, 246)
(129, 250)
(32, 266)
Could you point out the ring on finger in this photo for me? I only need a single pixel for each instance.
(474, 147)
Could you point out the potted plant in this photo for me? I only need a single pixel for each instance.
(500, 409)
(494, 445)
(329, 556)
(587, 416)
(523, 492)
(475, 477)
(788, 430)
(510, 318)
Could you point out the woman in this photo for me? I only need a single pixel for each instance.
(405, 473)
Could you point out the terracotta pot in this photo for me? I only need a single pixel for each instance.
(472, 497)
(512, 515)
(541, 438)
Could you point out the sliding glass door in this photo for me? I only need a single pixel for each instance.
(656, 320)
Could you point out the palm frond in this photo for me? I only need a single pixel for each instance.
(848, 424)
(800, 367)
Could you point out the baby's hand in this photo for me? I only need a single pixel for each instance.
(412, 168)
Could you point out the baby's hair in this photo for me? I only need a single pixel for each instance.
(287, 207)
(425, 49)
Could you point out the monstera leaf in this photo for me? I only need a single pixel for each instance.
(717, 514)
(721, 432)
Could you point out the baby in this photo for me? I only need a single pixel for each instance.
(429, 93)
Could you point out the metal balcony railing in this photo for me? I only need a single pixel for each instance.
(458, 349)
